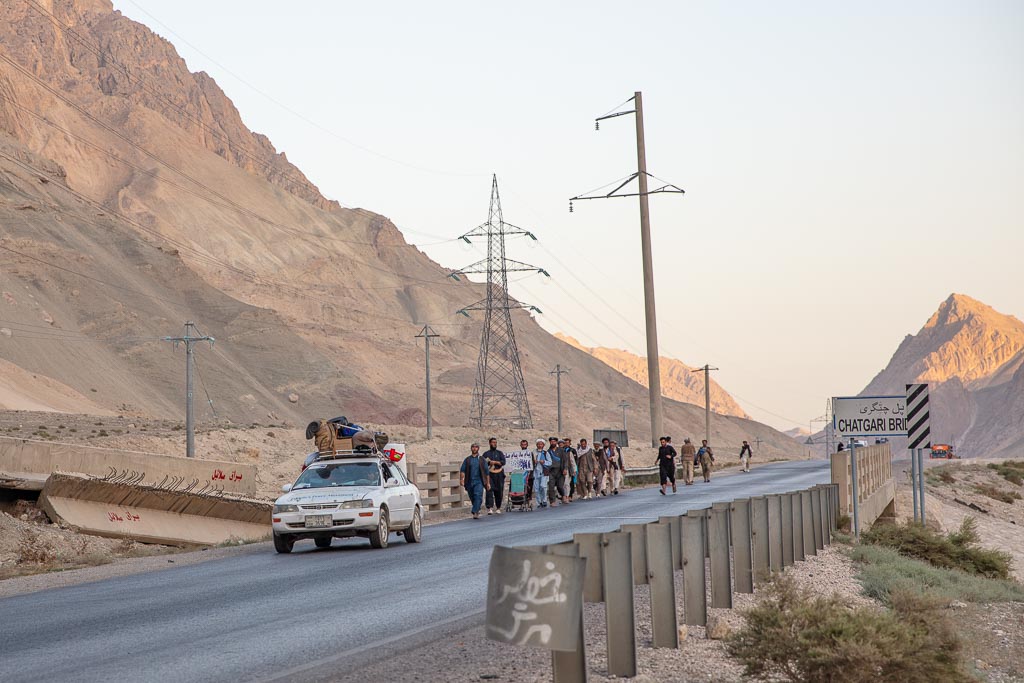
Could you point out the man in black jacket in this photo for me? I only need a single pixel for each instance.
(667, 464)
(496, 472)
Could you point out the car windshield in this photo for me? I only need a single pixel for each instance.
(323, 475)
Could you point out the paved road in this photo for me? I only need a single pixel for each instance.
(248, 617)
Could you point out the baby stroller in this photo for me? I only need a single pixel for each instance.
(520, 490)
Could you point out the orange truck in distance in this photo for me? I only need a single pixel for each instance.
(943, 450)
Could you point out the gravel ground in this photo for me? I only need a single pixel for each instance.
(471, 656)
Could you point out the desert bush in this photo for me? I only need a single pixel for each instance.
(1010, 470)
(883, 572)
(996, 493)
(958, 550)
(843, 522)
(794, 635)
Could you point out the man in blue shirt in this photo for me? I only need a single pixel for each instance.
(473, 477)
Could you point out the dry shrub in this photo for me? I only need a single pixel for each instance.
(794, 635)
(31, 549)
(996, 493)
(958, 550)
(1011, 470)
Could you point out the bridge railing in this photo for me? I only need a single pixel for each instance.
(876, 488)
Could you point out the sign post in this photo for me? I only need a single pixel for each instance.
(867, 417)
(918, 438)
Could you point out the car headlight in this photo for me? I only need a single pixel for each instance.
(285, 508)
(350, 504)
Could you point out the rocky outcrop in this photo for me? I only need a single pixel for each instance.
(678, 380)
(973, 358)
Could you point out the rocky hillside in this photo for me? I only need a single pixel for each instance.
(134, 198)
(678, 381)
(973, 356)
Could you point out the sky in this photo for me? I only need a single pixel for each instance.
(847, 166)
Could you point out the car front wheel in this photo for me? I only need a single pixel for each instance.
(283, 543)
(414, 534)
(379, 536)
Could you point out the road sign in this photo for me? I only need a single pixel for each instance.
(918, 422)
(535, 599)
(869, 416)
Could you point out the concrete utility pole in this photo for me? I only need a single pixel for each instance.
(558, 372)
(707, 399)
(188, 339)
(653, 358)
(624, 405)
(427, 333)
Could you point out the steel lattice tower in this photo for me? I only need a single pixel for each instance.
(499, 395)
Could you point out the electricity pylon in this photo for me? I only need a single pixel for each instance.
(499, 395)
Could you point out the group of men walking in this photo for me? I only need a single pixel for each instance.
(558, 471)
(691, 458)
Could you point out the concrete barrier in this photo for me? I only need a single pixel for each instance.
(152, 515)
(27, 464)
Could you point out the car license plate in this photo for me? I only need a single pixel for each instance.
(318, 521)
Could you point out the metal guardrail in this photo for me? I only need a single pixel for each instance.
(737, 544)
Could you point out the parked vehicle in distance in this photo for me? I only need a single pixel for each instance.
(341, 495)
(943, 450)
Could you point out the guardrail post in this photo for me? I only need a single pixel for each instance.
(638, 534)
(787, 530)
(816, 519)
(807, 510)
(661, 576)
(798, 526)
(775, 532)
(677, 551)
(833, 507)
(569, 667)
(739, 529)
(826, 524)
(593, 581)
(721, 576)
(759, 536)
(695, 598)
(617, 558)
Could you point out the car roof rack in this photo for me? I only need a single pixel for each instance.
(341, 454)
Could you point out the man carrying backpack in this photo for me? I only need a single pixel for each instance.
(541, 473)
(707, 459)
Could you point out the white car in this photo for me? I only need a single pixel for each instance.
(343, 496)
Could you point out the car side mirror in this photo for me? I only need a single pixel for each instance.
(286, 488)
(391, 482)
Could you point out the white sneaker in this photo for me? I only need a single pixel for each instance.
(497, 511)
(490, 511)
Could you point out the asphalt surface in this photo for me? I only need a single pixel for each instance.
(311, 614)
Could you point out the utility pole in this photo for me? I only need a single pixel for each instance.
(558, 372)
(707, 400)
(190, 337)
(758, 442)
(624, 405)
(427, 333)
(650, 319)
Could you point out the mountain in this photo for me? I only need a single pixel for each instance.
(134, 198)
(678, 380)
(973, 358)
